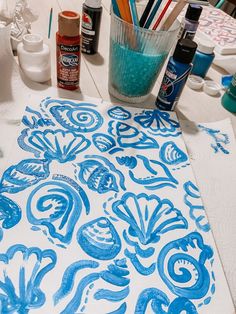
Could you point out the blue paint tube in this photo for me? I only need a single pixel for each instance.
(176, 74)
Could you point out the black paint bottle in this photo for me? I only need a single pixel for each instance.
(91, 20)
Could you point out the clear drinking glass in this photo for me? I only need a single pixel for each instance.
(136, 58)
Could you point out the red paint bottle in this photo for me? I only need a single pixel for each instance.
(68, 50)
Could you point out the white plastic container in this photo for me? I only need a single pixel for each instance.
(34, 58)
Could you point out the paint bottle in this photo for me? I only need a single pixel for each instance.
(190, 22)
(34, 58)
(176, 74)
(229, 98)
(203, 58)
(68, 50)
(91, 20)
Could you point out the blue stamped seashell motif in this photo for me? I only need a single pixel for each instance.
(99, 239)
(75, 117)
(171, 154)
(33, 119)
(23, 175)
(59, 145)
(119, 113)
(129, 136)
(192, 199)
(99, 174)
(185, 266)
(103, 142)
(128, 161)
(55, 207)
(158, 123)
(22, 273)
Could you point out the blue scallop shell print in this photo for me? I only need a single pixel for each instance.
(23, 175)
(158, 123)
(99, 239)
(22, 272)
(75, 117)
(171, 154)
(59, 145)
(103, 142)
(55, 207)
(119, 113)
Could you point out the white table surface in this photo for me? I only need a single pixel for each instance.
(193, 105)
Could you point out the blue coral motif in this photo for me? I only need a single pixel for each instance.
(59, 145)
(56, 206)
(197, 212)
(23, 175)
(171, 154)
(75, 117)
(119, 113)
(158, 123)
(35, 120)
(21, 292)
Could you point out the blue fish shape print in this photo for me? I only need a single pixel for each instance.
(192, 199)
(33, 119)
(90, 291)
(99, 239)
(158, 122)
(119, 113)
(75, 117)
(55, 207)
(105, 143)
(59, 145)
(23, 175)
(220, 140)
(172, 155)
(185, 266)
(99, 174)
(129, 136)
(22, 272)
(152, 174)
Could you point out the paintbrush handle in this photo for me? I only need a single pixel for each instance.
(173, 15)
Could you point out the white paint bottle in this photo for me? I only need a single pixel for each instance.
(34, 58)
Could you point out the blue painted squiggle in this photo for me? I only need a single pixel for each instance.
(21, 293)
(112, 296)
(119, 113)
(141, 252)
(193, 200)
(23, 175)
(10, 213)
(145, 271)
(185, 274)
(36, 120)
(157, 298)
(158, 123)
(171, 154)
(182, 304)
(120, 310)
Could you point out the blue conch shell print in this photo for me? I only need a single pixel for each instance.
(192, 199)
(185, 266)
(119, 113)
(22, 271)
(171, 154)
(99, 174)
(99, 239)
(55, 207)
(158, 123)
(129, 136)
(57, 145)
(23, 175)
(75, 117)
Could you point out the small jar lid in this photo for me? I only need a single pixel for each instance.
(93, 3)
(206, 46)
(195, 82)
(69, 23)
(211, 88)
(33, 42)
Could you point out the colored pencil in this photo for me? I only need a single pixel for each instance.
(173, 15)
(134, 13)
(160, 17)
(152, 14)
(124, 10)
(50, 23)
(115, 8)
(146, 12)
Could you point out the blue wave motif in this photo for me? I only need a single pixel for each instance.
(23, 175)
(10, 213)
(34, 120)
(128, 161)
(171, 154)
(100, 176)
(56, 205)
(129, 136)
(182, 304)
(158, 123)
(119, 113)
(152, 174)
(192, 199)
(75, 117)
(59, 145)
(21, 292)
(185, 266)
(99, 239)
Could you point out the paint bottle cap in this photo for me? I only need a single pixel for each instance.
(195, 82)
(211, 88)
(93, 3)
(32, 42)
(185, 50)
(69, 23)
(193, 12)
(206, 46)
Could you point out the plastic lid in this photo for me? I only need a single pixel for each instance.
(69, 23)
(206, 46)
(211, 88)
(185, 50)
(32, 42)
(93, 3)
(193, 12)
(195, 82)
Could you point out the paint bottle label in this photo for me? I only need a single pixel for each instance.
(68, 65)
